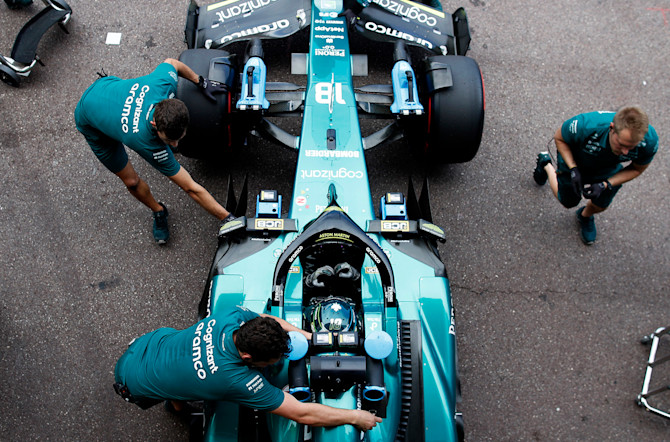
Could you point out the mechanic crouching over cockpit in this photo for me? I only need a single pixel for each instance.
(218, 359)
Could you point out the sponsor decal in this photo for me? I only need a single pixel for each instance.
(329, 37)
(161, 156)
(373, 255)
(279, 291)
(389, 294)
(295, 254)
(230, 225)
(320, 209)
(432, 227)
(385, 30)
(423, 15)
(138, 99)
(573, 127)
(328, 14)
(173, 74)
(329, 51)
(333, 153)
(395, 226)
(342, 172)
(198, 339)
(261, 29)
(371, 270)
(452, 324)
(334, 235)
(269, 224)
(329, 29)
(294, 269)
(301, 201)
(255, 384)
(245, 9)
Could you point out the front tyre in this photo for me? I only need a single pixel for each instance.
(456, 113)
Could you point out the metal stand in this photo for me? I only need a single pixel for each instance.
(642, 398)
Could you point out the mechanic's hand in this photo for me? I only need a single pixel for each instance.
(320, 275)
(209, 87)
(364, 420)
(576, 180)
(593, 191)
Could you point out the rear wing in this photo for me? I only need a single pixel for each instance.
(219, 24)
(414, 23)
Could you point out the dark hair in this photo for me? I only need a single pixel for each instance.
(263, 338)
(171, 118)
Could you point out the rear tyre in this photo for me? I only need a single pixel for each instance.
(210, 130)
(456, 113)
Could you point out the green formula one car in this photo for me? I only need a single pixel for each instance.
(369, 284)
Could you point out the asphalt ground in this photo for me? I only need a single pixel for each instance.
(548, 329)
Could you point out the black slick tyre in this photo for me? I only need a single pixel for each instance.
(456, 113)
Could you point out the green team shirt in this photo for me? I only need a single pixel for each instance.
(198, 363)
(587, 135)
(123, 110)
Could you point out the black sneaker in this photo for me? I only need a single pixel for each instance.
(161, 232)
(587, 228)
(539, 174)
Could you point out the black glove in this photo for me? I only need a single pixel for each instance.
(593, 191)
(345, 271)
(320, 275)
(576, 179)
(209, 88)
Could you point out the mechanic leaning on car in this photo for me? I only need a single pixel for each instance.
(219, 359)
(142, 114)
(591, 148)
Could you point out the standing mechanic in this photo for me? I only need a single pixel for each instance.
(218, 359)
(142, 114)
(591, 148)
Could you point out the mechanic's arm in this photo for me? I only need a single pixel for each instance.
(564, 149)
(628, 173)
(183, 70)
(318, 415)
(288, 326)
(199, 194)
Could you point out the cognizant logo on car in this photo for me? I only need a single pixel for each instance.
(331, 174)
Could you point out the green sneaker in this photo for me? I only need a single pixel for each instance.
(161, 232)
(539, 174)
(587, 228)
